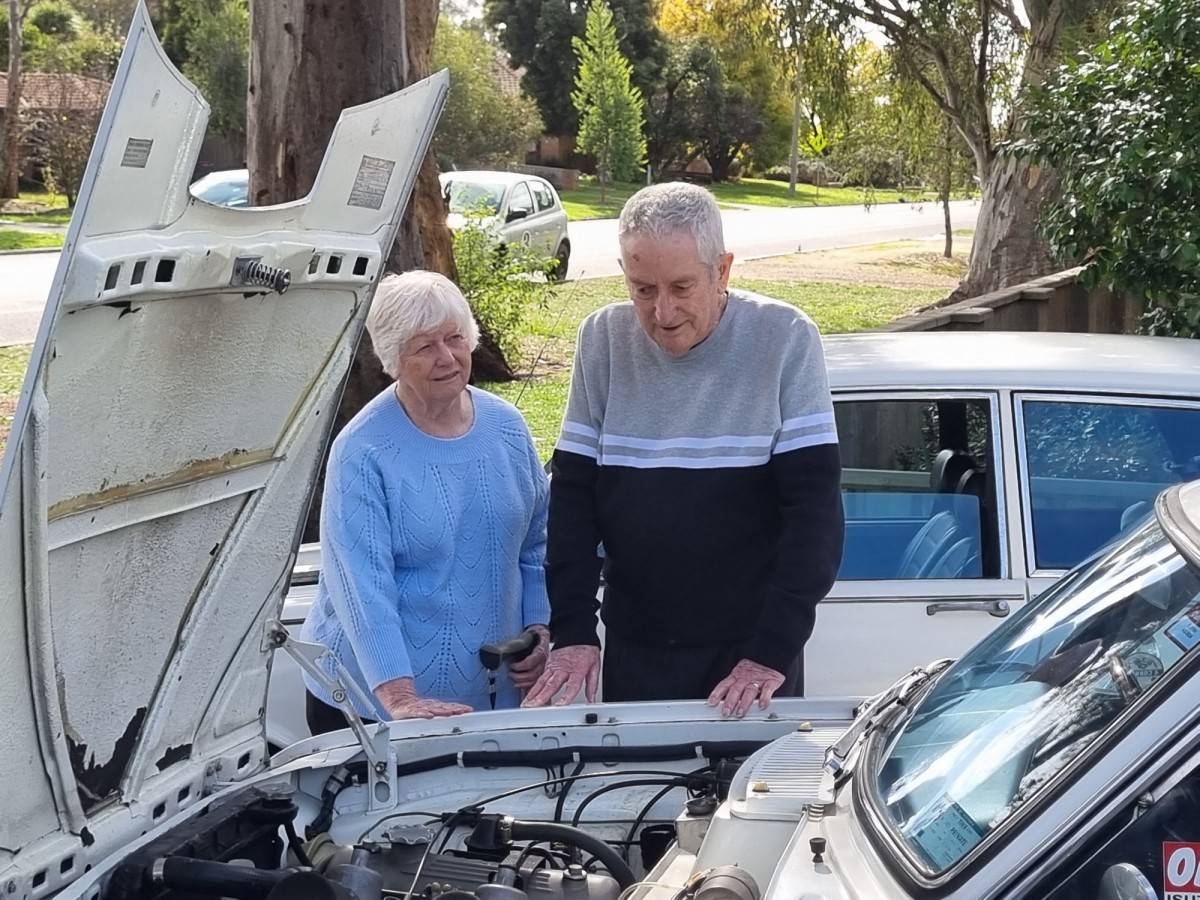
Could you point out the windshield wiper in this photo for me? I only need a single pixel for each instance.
(872, 710)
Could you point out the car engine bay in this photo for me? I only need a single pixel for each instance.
(590, 821)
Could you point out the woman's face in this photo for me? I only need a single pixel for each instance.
(436, 365)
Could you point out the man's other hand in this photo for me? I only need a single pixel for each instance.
(525, 673)
(739, 688)
(569, 670)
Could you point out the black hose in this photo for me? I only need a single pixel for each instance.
(556, 831)
(621, 785)
(202, 876)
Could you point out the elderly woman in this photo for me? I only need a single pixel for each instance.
(432, 525)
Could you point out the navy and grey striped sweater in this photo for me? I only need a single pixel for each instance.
(711, 479)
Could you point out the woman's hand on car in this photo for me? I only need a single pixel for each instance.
(525, 673)
(400, 699)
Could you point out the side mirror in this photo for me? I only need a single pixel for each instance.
(1125, 882)
(514, 214)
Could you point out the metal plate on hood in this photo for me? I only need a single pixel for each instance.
(164, 447)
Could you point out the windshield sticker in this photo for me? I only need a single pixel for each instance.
(1185, 631)
(137, 153)
(1145, 668)
(371, 182)
(946, 834)
(1181, 871)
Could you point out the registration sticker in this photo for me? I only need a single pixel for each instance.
(1185, 631)
(947, 834)
(1181, 870)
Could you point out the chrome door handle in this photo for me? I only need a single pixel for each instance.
(997, 608)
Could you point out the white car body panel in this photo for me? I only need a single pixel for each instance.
(163, 449)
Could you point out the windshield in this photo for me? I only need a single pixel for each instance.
(473, 198)
(1028, 700)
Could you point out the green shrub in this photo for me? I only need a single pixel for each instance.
(503, 283)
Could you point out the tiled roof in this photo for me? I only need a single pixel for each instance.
(509, 79)
(53, 90)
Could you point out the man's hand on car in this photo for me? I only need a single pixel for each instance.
(400, 699)
(571, 670)
(739, 688)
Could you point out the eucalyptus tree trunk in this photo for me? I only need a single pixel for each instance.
(309, 60)
(10, 146)
(1007, 248)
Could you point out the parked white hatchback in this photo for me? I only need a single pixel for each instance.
(523, 210)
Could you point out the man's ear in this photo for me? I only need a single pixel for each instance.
(724, 267)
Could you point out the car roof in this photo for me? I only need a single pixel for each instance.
(505, 178)
(992, 360)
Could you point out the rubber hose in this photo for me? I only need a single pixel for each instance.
(202, 876)
(567, 834)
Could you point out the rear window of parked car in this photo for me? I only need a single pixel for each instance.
(1095, 467)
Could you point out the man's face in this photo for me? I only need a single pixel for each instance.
(678, 298)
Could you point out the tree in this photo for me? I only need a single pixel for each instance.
(10, 144)
(611, 111)
(968, 55)
(1121, 126)
(308, 62)
(483, 126)
(209, 40)
(538, 36)
(60, 134)
(706, 49)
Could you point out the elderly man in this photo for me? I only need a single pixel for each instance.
(699, 448)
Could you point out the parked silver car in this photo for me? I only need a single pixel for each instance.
(522, 210)
(978, 468)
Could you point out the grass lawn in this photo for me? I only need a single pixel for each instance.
(14, 239)
(13, 361)
(584, 202)
(52, 217)
(548, 350)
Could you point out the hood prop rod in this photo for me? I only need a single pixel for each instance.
(376, 745)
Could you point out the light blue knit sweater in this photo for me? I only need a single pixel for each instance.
(430, 547)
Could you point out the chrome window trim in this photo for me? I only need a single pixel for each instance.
(1025, 489)
(996, 467)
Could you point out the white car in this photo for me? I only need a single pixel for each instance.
(978, 468)
(523, 210)
(173, 417)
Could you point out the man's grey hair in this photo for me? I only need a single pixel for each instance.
(676, 207)
(411, 304)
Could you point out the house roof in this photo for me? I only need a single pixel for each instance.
(57, 90)
(508, 78)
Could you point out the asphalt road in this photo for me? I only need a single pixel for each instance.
(750, 233)
(758, 232)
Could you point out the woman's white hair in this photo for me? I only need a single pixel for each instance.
(676, 207)
(415, 303)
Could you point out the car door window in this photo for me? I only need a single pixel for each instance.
(542, 196)
(1163, 843)
(520, 200)
(918, 488)
(1092, 469)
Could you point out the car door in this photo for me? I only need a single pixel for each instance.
(519, 223)
(1090, 467)
(926, 570)
(548, 217)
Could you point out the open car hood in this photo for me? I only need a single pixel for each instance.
(165, 446)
